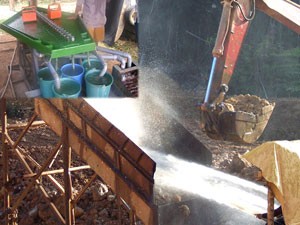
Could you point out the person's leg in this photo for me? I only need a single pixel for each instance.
(136, 26)
(12, 5)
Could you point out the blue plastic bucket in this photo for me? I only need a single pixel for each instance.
(45, 81)
(94, 64)
(96, 87)
(69, 88)
(75, 73)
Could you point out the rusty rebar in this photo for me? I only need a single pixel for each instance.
(31, 184)
(24, 130)
(69, 212)
(270, 214)
(78, 196)
(5, 171)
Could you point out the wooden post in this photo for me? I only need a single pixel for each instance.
(12, 5)
(270, 205)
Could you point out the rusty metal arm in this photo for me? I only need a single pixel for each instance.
(218, 49)
(232, 30)
(218, 122)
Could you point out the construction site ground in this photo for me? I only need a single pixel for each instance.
(284, 125)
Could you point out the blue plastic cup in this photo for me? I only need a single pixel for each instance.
(98, 86)
(75, 73)
(45, 81)
(69, 88)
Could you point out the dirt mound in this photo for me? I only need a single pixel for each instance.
(247, 103)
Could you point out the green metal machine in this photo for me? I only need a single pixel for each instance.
(42, 38)
(48, 37)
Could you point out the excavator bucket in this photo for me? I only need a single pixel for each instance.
(244, 127)
(242, 119)
(241, 127)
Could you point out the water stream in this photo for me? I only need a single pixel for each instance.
(182, 175)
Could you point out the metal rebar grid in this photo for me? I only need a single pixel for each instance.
(10, 208)
(119, 162)
(34, 171)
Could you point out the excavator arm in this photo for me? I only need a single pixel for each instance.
(217, 120)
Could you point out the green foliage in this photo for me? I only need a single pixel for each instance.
(269, 64)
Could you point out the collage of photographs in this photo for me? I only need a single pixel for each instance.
(149, 112)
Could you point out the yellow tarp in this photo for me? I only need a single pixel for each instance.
(279, 162)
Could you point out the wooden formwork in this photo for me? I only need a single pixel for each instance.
(110, 153)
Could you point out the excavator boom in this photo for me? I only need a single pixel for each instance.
(218, 121)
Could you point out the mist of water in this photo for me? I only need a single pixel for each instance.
(176, 173)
